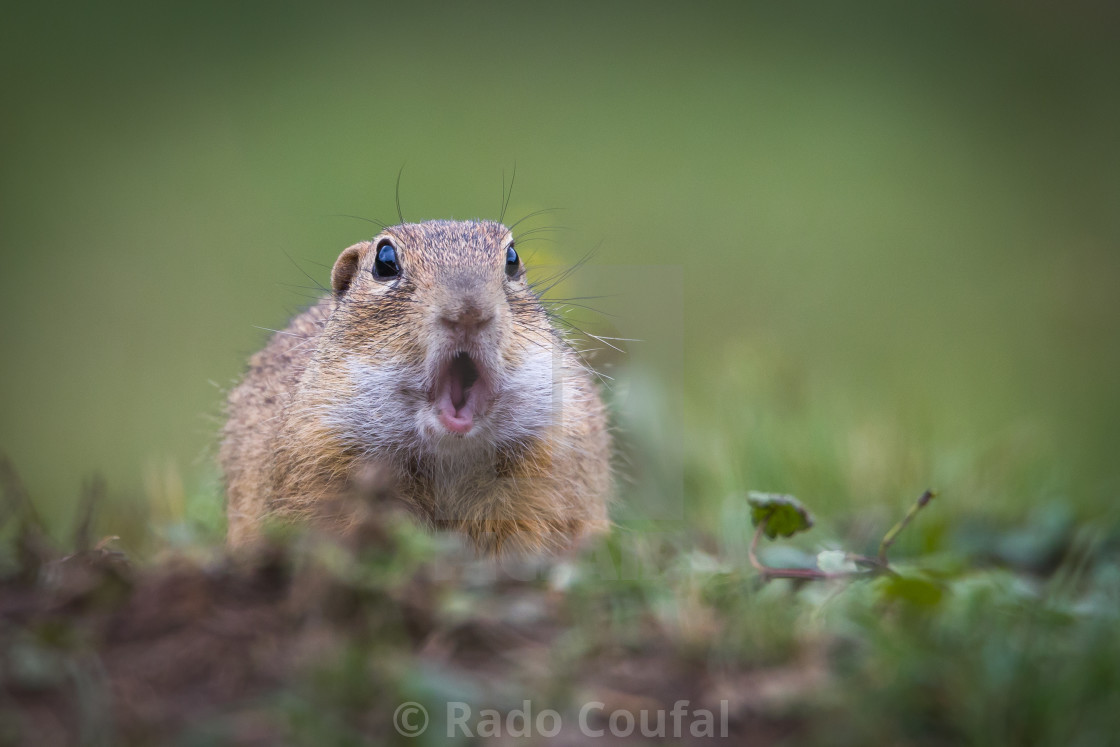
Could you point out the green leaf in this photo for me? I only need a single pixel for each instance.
(784, 515)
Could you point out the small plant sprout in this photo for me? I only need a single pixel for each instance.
(777, 515)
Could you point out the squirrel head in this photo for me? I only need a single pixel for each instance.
(437, 340)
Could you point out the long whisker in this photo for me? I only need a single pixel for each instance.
(564, 275)
(281, 332)
(541, 229)
(399, 213)
(534, 214)
(508, 197)
(307, 275)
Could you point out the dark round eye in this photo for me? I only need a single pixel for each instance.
(385, 265)
(513, 262)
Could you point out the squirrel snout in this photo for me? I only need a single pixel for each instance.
(467, 318)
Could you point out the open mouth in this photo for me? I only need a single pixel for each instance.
(460, 393)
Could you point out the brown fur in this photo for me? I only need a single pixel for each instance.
(347, 388)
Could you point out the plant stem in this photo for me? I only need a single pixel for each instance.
(769, 572)
(892, 535)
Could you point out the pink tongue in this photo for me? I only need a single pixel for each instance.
(458, 396)
(453, 412)
(455, 409)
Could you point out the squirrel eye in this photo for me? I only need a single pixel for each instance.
(385, 264)
(513, 262)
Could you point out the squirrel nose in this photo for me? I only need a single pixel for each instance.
(467, 318)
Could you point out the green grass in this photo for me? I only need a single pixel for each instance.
(1000, 631)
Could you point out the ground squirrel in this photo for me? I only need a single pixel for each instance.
(434, 363)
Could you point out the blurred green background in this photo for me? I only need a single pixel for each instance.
(893, 227)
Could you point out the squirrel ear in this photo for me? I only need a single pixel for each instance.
(346, 267)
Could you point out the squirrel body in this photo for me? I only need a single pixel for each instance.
(435, 365)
